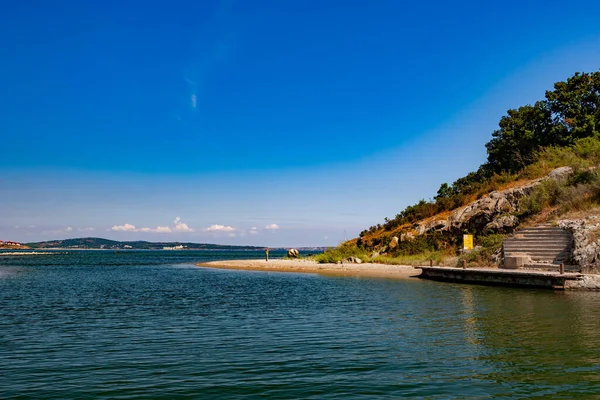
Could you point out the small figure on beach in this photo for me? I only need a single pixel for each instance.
(267, 254)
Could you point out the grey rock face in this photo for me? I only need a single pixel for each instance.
(490, 213)
(436, 225)
(560, 173)
(586, 282)
(293, 253)
(504, 224)
(586, 253)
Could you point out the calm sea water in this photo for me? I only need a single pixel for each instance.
(152, 325)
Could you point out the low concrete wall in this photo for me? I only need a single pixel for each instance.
(516, 262)
(548, 280)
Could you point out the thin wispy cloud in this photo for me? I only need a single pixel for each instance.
(59, 231)
(279, 218)
(158, 229)
(211, 52)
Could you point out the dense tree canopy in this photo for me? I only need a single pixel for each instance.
(521, 133)
(571, 111)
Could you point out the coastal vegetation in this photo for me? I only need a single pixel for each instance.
(561, 130)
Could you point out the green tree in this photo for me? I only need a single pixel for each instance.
(575, 108)
(444, 191)
(521, 133)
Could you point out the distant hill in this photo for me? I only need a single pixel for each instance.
(100, 243)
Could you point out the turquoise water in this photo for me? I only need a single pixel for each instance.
(152, 325)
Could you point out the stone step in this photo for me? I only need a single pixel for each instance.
(525, 249)
(542, 233)
(552, 267)
(552, 239)
(536, 243)
(537, 253)
(538, 240)
(549, 261)
(545, 257)
(546, 246)
(546, 228)
(538, 235)
(560, 256)
(538, 250)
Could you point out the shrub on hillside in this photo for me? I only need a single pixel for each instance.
(341, 253)
(487, 246)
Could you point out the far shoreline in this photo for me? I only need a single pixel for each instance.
(371, 270)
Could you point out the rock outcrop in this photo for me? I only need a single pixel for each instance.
(352, 260)
(586, 250)
(490, 214)
(293, 253)
(503, 224)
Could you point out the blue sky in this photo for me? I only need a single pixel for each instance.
(276, 123)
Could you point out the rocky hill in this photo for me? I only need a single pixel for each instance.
(541, 166)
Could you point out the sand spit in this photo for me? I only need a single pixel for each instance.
(307, 266)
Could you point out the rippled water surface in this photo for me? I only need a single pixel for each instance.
(152, 325)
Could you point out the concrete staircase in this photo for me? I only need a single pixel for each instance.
(542, 247)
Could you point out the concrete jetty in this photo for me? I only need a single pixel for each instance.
(503, 277)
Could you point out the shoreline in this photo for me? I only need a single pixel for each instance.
(370, 270)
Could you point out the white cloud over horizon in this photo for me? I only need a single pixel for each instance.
(219, 228)
(124, 228)
(133, 228)
(272, 227)
(178, 226)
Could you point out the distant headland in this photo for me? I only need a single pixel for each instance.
(92, 243)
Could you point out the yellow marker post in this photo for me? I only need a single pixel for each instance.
(467, 242)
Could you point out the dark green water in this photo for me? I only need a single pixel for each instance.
(151, 325)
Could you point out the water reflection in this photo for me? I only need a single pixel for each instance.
(121, 321)
(470, 316)
(537, 336)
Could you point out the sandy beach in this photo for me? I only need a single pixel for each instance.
(308, 266)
